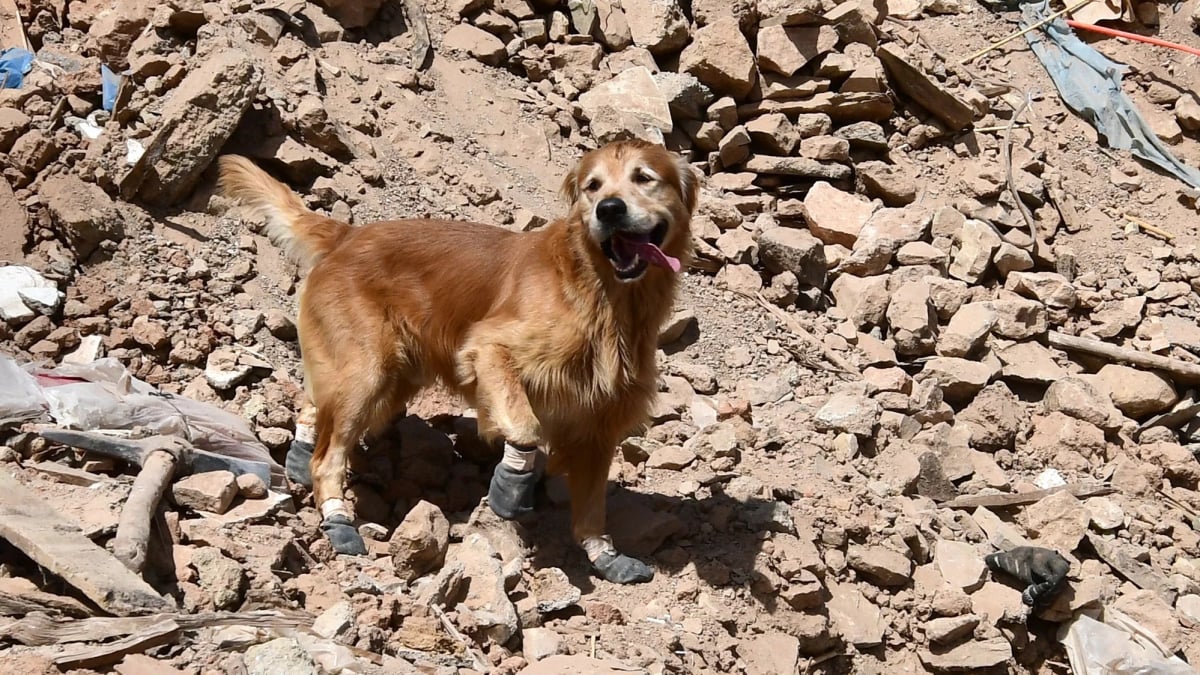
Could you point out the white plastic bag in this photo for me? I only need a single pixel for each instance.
(20, 396)
(1117, 646)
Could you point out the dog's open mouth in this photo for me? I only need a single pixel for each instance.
(631, 253)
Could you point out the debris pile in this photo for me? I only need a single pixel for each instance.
(929, 402)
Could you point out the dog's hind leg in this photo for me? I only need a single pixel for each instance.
(587, 466)
(363, 406)
(505, 412)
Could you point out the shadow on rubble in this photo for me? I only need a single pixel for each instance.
(442, 461)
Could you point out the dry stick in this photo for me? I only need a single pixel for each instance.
(1149, 228)
(1018, 34)
(1012, 183)
(478, 660)
(841, 364)
(1181, 370)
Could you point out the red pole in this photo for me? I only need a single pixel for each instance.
(1132, 36)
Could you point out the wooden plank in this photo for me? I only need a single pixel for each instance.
(1180, 371)
(59, 545)
(39, 630)
(999, 500)
(67, 474)
(160, 633)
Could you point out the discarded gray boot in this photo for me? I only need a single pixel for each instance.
(342, 535)
(1043, 569)
(622, 569)
(511, 493)
(298, 462)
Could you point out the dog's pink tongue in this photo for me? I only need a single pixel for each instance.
(654, 255)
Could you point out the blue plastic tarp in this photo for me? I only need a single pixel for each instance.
(109, 83)
(15, 62)
(1090, 84)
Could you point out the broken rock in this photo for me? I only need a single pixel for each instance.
(720, 57)
(978, 240)
(1082, 400)
(969, 656)
(479, 43)
(83, 212)
(848, 413)
(200, 115)
(1138, 393)
(786, 249)
(1058, 522)
(834, 216)
(880, 564)
(418, 545)
(960, 563)
(787, 49)
(856, 618)
(212, 491)
(967, 330)
(487, 600)
(658, 26)
(631, 97)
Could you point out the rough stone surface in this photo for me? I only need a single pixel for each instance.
(200, 115)
(212, 491)
(1137, 393)
(418, 545)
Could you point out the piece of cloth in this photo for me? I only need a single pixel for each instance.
(520, 460)
(1090, 85)
(15, 63)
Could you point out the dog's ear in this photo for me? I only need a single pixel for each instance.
(689, 183)
(570, 187)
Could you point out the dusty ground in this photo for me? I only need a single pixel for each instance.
(797, 516)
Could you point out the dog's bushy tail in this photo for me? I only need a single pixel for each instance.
(304, 236)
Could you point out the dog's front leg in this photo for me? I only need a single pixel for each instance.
(587, 479)
(505, 412)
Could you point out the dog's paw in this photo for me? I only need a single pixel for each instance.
(511, 494)
(342, 535)
(297, 463)
(621, 569)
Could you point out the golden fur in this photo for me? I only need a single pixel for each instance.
(534, 329)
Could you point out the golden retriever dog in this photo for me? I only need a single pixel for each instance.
(550, 335)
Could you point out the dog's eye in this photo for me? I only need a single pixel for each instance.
(643, 178)
(591, 186)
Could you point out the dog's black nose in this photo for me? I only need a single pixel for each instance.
(610, 209)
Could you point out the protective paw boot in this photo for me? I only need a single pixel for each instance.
(342, 535)
(511, 493)
(1041, 568)
(621, 569)
(298, 462)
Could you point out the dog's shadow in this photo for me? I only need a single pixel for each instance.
(441, 460)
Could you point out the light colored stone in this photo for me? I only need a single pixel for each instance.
(630, 102)
(279, 656)
(774, 133)
(15, 280)
(1030, 362)
(1058, 522)
(857, 620)
(978, 241)
(967, 330)
(720, 57)
(968, 656)
(912, 319)
(486, 598)
(540, 643)
(834, 216)
(1009, 259)
(671, 458)
(1138, 393)
(770, 654)
(960, 563)
(849, 413)
(1105, 513)
(1082, 399)
(418, 545)
(950, 629)
(1051, 289)
(1018, 318)
(920, 253)
(882, 565)
(658, 26)
(863, 301)
(787, 49)
(212, 491)
(335, 620)
(960, 379)
(479, 43)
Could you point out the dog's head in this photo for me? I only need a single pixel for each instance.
(635, 200)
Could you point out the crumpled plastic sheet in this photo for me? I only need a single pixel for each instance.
(110, 82)
(1117, 646)
(103, 395)
(15, 63)
(1090, 84)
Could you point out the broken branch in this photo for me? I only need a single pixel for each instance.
(1080, 490)
(1181, 370)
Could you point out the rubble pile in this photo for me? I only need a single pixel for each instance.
(882, 374)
